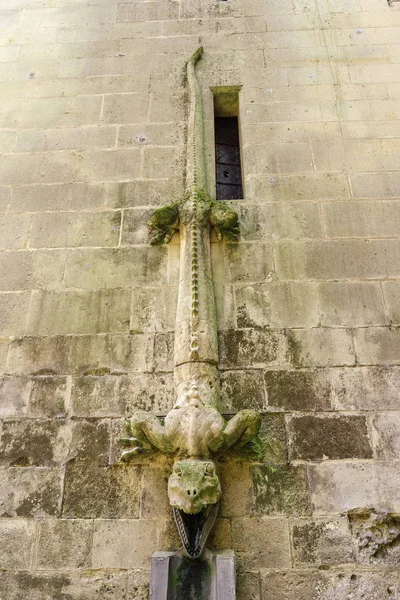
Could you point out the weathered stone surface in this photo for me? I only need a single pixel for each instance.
(237, 490)
(30, 492)
(365, 388)
(153, 309)
(248, 586)
(250, 348)
(154, 497)
(351, 304)
(322, 542)
(64, 544)
(291, 304)
(34, 443)
(14, 396)
(337, 487)
(242, 389)
(321, 437)
(391, 291)
(377, 536)
(13, 313)
(78, 585)
(385, 434)
(124, 544)
(318, 585)
(94, 492)
(320, 347)
(16, 543)
(273, 439)
(97, 396)
(148, 391)
(298, 390)
(261, 542)
(281, 490)
(377, 346)
(48, 397)
(62, 313)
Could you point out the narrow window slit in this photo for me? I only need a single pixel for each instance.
(228, 169)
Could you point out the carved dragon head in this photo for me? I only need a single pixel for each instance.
(194, 492)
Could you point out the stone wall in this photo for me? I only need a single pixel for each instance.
(93, 116)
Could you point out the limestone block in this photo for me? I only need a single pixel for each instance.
(164, 163)
(71, 196)
(59, 355)
(248, 586)
(75, 585)
(225, 306)
(374, 129)
(68, 165)
(153, 308)
(78, 138)
(292, 304)
(164, 344)
(95, 492)
(111, 268)
(276, 157)
(351, 304)
(337, 487)
(298, 131)
(4, 348)
(242, 390)
(380, 73)
(391, 292)
(325, 437)
(144, 193)
(138, 585)
(14, 308)
(14, 396)
(274, 221)
(5, 196)
(281, 490)
(385, 434)
(320, 347)
(386, 109)
(153, 134)
(154, 493)
(64, 544)
(273, 439)
(251, 348)
(362, 219)
(125, 108)
(344, 259)
(233, 263)
(14, 230)
(311, 186)
(76, 312)
(17, 538)
(260, 542)
(375, 185)
(298, 390)
(97, 396)
(44, 113)
(90, 442)
(237, 489)
(148, 391)
(59, 230)
(29, 492)
(366, 388)
(338, 585)
(34, 443)
(353, 155)
(135, 229)
(156, 11)
(26, 270)
(292, 111)
(48, 397)
(377, 346)
(125, 544)
(322, 542)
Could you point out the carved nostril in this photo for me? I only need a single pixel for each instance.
(191, 492)
(194, 492)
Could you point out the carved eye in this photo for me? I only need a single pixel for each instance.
(209, 470)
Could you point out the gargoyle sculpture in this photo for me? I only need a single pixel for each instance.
(194, 430)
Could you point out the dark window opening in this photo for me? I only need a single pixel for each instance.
(227, 159)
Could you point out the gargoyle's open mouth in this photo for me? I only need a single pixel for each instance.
(194, 529)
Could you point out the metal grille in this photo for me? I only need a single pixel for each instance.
(227, 159)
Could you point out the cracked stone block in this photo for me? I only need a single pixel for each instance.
(377, 536)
